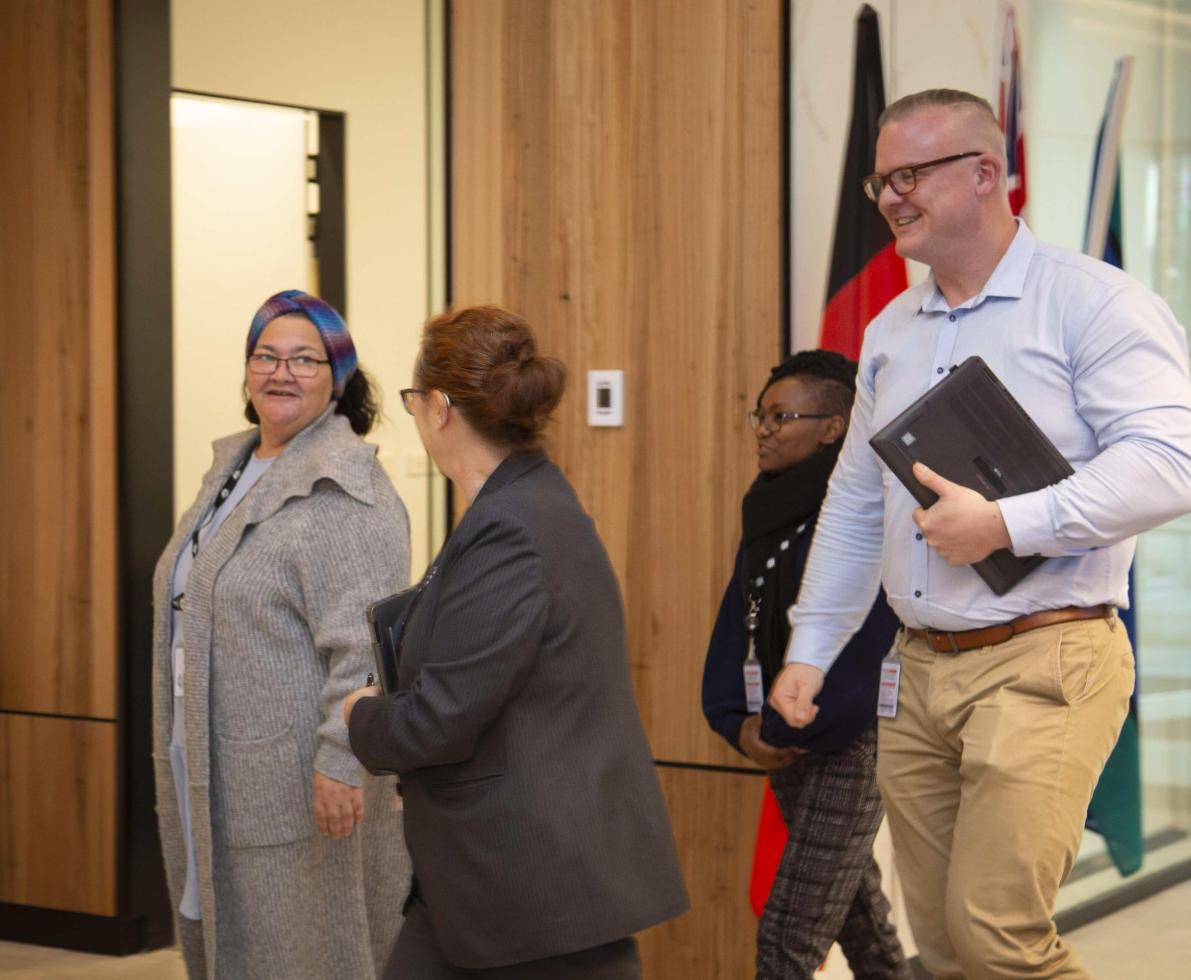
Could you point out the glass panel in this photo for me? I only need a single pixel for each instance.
(1072, 46)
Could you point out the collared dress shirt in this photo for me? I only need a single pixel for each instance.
(1100, 364)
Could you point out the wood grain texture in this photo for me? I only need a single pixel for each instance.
(616, 178)
(58, 813)
(714, 815)
(57, 391)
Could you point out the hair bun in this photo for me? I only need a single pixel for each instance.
(486, 359)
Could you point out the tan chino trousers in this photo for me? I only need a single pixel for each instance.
(986, 774)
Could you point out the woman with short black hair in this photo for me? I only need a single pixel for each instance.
(828, 886)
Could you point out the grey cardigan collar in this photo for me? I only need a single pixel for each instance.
(326, 449)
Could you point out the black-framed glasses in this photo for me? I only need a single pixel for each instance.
(300, 366)
(905, 179)
(408, 393)
(774, 421)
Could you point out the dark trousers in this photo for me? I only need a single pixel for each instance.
(416, 955)
(828, 886)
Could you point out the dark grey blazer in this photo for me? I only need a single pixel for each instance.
(532, 811)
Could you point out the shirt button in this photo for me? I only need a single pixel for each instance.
(918, 536)
(938, 370)
(951, 317)
(917, 594)
(770, 563)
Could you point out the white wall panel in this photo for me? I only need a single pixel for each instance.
(239, 190)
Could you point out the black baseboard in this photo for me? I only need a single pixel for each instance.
(109, 935)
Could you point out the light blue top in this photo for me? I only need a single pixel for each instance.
(225, 503)
(1097, 360)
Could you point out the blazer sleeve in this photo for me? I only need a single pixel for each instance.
(725, 705)
(489, 620)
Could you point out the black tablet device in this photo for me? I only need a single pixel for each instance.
(971, 431)
(387, 619)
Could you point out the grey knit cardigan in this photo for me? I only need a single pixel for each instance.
(275, 638)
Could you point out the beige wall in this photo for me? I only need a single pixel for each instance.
(239, 233)
(366, 59)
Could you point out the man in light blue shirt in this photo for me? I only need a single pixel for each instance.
(1008, 705)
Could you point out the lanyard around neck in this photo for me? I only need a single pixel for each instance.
(220, 498)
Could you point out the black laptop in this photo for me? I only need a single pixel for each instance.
(971, 431)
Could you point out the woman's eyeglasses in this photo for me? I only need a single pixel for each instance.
(408, 393)
(773, 421)
(300, 366)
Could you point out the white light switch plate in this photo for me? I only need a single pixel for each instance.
(605, 398)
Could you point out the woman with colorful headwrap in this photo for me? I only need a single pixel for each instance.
(284, 858)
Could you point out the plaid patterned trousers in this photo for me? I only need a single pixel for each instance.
(828, 886)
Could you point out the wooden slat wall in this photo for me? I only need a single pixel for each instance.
(617, 178)
(57, 430)
(58, 813)
(713, 816)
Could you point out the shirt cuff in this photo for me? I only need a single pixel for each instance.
(1027, 519)
(339, 764)
(808, 645)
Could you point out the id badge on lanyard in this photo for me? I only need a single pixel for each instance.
(754, 687)
(891, 679)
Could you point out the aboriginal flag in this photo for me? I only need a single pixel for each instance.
(866, 272)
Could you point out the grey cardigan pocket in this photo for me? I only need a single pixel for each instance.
(266, 791)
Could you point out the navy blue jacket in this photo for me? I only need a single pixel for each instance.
(848, 701)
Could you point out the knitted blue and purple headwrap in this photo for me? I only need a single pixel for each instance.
(341, 352)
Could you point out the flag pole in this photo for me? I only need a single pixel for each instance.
(1104, 177)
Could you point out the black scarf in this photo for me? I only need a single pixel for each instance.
(774, 507)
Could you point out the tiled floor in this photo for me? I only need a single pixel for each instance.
(44, 963)
(1148, 941)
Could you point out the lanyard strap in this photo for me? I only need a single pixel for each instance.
(178, 601)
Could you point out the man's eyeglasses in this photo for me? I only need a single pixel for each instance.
(300, 366)
(774, 421)
(905, 179)
(408, 393)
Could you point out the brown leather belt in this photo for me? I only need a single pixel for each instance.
(987, 636)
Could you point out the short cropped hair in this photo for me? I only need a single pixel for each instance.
(933, 97)
(978, 111)
(830, 376)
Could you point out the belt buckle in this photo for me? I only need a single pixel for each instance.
(932, 634)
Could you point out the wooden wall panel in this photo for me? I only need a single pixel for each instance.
(714, 818)
(57, 389)
(58, 813)
(616, 178)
